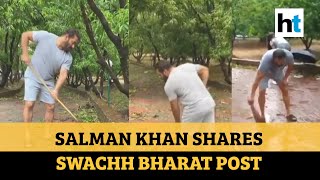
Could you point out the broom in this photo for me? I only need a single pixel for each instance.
(44, 83)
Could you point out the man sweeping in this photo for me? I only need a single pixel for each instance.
(52, 57)
(272, 67)
(277, 43)
(186, 85)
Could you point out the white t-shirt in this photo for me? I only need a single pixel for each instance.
(185, 84)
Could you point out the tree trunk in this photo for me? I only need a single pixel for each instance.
(307, 42)
(6, 69)
(90, 81)
(226, 70)
(138, 55)
(101, 89)
(122, 50)
(122, 3)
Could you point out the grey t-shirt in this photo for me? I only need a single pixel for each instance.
(268, 67)
(47, 59)
(185, 84)
(280, 42)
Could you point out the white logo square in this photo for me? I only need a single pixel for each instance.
(289, 22)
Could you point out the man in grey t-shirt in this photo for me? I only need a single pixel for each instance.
(51, 57)
(280, 42)
(277, 42)
(272, 67)
(186, 85)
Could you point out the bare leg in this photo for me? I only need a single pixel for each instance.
(27, 118)
(286, 98)
(28, 111)
(49, 113)
(262, 102)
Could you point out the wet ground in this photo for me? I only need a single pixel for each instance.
(304, 93)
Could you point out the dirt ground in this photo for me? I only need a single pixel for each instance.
(148, 102)
(11, 108)
(117, 110)
(304, 90)
(252, 48)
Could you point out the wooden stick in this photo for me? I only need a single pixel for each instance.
(44, 83)
(256, 115)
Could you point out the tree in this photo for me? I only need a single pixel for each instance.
(184, 30)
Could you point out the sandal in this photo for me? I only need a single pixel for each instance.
(291, 117)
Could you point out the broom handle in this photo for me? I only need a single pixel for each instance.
(44, 83)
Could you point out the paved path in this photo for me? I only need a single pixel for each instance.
(304, 93)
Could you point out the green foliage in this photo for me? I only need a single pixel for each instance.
(87, 115)
(311, 15)
(223, 29)
(57, 16)
(182, 28)
(256, 17)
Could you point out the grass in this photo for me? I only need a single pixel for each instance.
(3, 99)
(118, 104)
(87, 115)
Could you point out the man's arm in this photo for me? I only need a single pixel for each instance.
(62, 77)
(25, 38)
(203, 73)
(259, 76)
(290, 61)
(288, 72)
(170, 90)
(175, 109)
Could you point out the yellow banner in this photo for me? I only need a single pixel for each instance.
(159, 137)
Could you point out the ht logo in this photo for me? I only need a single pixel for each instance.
(289, 22)
(295, 21)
